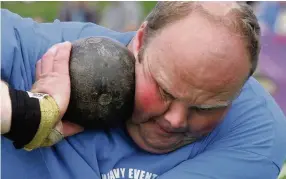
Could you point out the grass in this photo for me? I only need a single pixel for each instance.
(46, 10)
(49, 10)
(283, 171)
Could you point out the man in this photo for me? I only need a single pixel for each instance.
(122, 16)
(78, 11)
(197, 113)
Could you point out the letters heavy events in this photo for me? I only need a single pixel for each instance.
(128, 173)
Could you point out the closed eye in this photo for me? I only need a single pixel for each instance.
(206, 109)
(197, 109)
(165, 95)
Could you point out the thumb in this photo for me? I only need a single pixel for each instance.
(70, 129)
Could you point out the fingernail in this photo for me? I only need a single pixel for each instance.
(66, 43)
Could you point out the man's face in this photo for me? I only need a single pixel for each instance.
(185, 80)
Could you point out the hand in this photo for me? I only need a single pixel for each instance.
(52, 77)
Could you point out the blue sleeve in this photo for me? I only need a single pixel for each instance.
(24, 41)
(249, 144)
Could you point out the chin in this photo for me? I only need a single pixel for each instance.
(156, 150)
(146, 143)
(159, 148)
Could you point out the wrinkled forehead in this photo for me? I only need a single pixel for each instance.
(197, 74)
(200, 58)
(194, 85)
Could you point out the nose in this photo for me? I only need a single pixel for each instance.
(176, 117)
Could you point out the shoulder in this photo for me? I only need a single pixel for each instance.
(255, 103)
(254, 100)
(26, 41)
(103, 144)
(255, 123)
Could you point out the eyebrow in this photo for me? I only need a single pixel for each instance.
(210, 107)
(203, 106)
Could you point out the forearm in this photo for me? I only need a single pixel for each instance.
(28, 118)
(6, 112)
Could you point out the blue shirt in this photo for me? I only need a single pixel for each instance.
(250, 143)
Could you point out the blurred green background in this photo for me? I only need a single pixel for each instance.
(49, 10)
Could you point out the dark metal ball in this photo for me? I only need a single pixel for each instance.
(102, 75)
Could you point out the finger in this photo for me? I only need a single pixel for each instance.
(48, 60)
(59, 127)
(34, 88)
(70, 129)
(61, 61)
(55, 136)
(38, 69)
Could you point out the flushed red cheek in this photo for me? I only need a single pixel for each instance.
(208, 127)
(148, 99)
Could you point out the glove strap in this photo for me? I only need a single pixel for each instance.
(26, 117)
(49, 117)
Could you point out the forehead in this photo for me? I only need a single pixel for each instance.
(195, 54)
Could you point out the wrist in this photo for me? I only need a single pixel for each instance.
(5, 109)
(33, 117)
(25, 117)
(49, 117)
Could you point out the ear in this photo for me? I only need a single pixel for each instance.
(138, 40)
